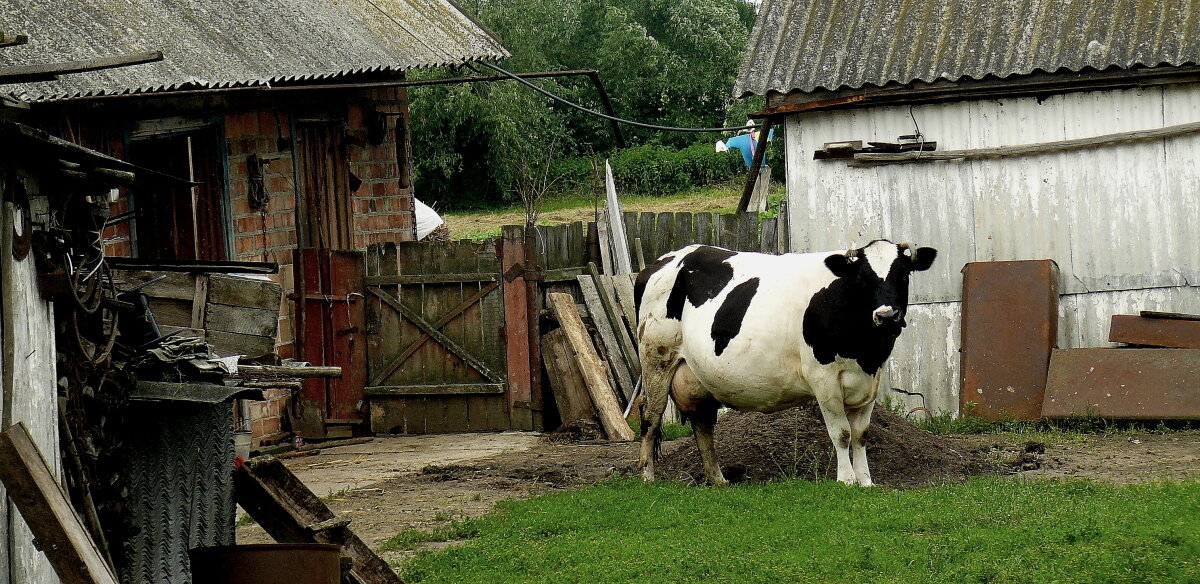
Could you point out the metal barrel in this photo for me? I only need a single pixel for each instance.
(285, 563)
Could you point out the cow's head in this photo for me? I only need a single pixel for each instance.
(878, 277)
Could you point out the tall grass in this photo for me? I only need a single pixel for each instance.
(985, 530)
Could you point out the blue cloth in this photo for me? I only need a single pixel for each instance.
(746, 143)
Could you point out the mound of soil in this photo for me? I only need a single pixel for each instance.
(793, 444)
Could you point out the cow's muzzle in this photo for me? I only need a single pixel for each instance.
(887, 314)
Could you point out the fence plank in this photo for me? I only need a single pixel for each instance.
(608, 336)
(603, 396)
(704, 229)
(566, 380)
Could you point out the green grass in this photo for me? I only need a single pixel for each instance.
(1080, 427)
(985, 530)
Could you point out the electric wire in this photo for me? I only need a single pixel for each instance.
(581, 108)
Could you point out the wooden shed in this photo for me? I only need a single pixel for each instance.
(1065, 130)
(289, 118)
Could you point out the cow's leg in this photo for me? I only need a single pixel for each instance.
(658, 364)
(703, 422)
(833, 410)
(700, 407)
(860, 422)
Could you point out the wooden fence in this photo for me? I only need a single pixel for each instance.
(454, 327)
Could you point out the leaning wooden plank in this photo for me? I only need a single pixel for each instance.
(55, 525)
(608, 336)
(1155, 332)
(291, 513)
(1132, 384)
(624, 336)
(603, 396)
(566, 380)
(616, 227)
(602, 234)
(624, 288)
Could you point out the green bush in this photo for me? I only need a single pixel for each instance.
(655, 170)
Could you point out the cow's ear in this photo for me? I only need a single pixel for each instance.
(923, 258)
(841, 265)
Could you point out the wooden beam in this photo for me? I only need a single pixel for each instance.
(289, 512)
(387, 369)
(440, 389)
(12, 40)
(429, 329)
(760, 154)
(603, 396)
(566, 380)
(81, 66)
(59, 532)
(873, 159)
(293, 371)
(617, 359)
(432, 278)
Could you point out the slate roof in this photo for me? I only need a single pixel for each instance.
(809, 45)
(234, 43)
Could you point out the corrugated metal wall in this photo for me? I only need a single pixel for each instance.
(1121, 221)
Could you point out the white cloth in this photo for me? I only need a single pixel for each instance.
(427, 219)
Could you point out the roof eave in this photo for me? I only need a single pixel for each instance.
(919, 92)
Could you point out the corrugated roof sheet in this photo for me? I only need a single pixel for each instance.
(232, 43)
(807, 45)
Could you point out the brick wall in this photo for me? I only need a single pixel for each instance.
(383, 204)
(266, 418)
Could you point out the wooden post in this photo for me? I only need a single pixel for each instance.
(533, 299)
(603, 396)
(516, 327)
(762, 188)
(760, 154)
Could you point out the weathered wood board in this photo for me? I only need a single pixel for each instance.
(566, 380)
(289, 512)
(46, 509)
(594, 372)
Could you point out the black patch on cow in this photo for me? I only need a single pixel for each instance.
(643, 277)
(727, 322)
(703, 273)
(838, 322)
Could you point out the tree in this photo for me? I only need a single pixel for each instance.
(667, 62)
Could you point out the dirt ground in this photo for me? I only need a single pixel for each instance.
(396, 483)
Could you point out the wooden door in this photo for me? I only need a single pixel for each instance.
(326, 220)
(435, 326)
(330, 331)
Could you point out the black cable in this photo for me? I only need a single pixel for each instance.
(608, 117)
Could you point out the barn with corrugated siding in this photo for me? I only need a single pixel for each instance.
(1081, 81)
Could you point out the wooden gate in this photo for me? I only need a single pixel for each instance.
(435, 338)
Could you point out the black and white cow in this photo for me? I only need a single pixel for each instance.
(761, 333)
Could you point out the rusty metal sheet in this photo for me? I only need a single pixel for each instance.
(1155, 332)
(1140, 384)
(1009, 326)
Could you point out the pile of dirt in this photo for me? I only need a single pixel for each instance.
(793, 444)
